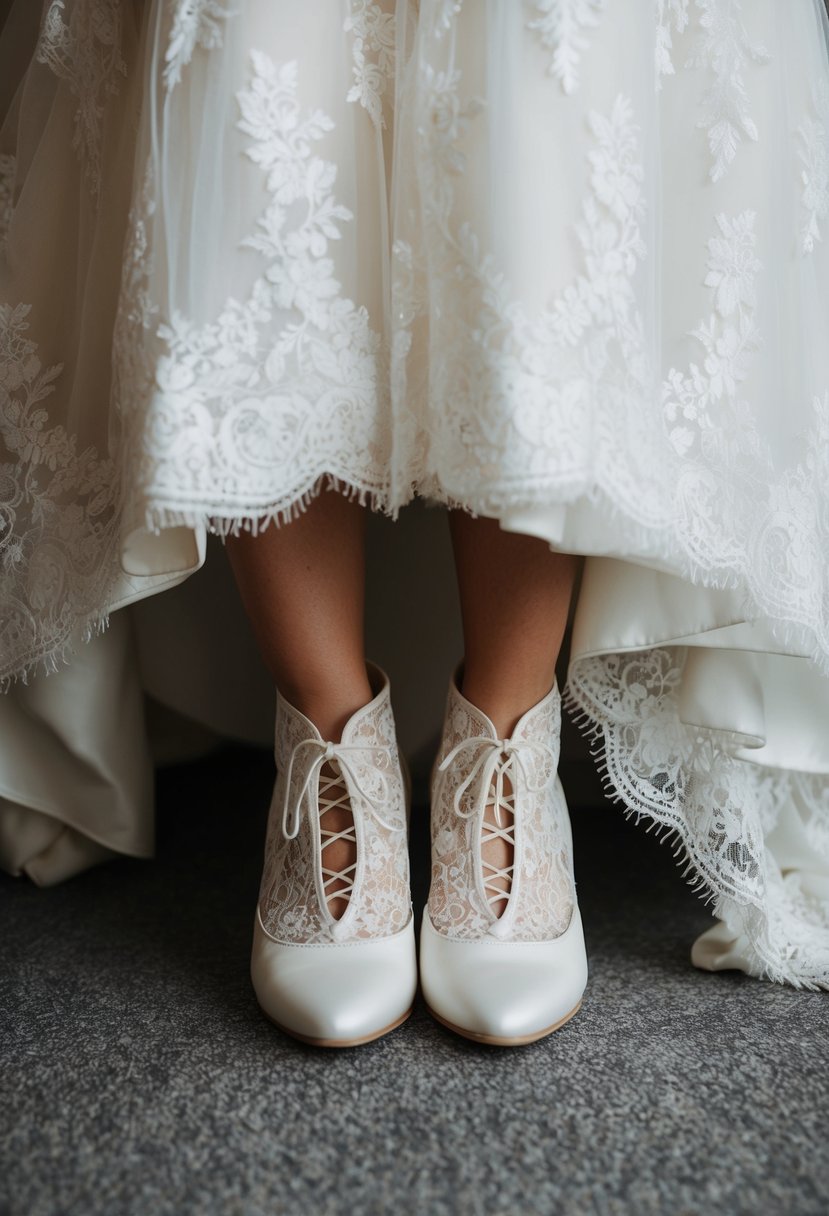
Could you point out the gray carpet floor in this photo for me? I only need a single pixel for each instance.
(138, 1075)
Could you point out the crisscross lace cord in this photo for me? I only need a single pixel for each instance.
(292, 815)
(329, 781)
(497, 760)
(335, 883)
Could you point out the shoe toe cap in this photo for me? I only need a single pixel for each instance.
(339, 994)
(504, 992)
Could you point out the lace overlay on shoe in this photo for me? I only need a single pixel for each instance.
(295, 887)
(474, 767)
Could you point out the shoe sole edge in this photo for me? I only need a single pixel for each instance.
(493, 1040)
(339, 1043)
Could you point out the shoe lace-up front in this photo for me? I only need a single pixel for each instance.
(332, 795)
(336, 864)
(501, 853)
(492, 782)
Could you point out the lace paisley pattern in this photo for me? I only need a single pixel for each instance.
(286, 385)
(719, 808)
(292, 904)
(83, 48)
(542, 893)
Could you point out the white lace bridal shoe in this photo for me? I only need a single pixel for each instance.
(336, 982)
(502, 956)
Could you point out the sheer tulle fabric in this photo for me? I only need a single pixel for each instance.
(563, 262)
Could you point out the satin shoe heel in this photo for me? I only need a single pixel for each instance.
(502, 954)
(336, 981)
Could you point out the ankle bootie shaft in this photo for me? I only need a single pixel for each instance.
(336, 981)
(502, 957)
(514, 975)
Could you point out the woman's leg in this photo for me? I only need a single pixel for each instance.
(302, 585)
(515, 595)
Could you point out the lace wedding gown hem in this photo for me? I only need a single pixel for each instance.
(580, 286)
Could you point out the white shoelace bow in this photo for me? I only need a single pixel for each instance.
(490, 763)
(292, 816)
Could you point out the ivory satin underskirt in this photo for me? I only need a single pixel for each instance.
(564, 266)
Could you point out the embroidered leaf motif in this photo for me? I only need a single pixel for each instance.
(813, 153)
(282, 386)
(561, 25)
(723, 49)
(373, 35)
(671, 16)
(83, 48)
(196, 23)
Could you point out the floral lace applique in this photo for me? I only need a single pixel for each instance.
(8, 171)
(561, 26)
(671, 15)
(449, 118)
(257, 405)
(703, 405)
(196, 23)
(85, 51)
(724, 49)
(373, 35)
(773, 547)
(56, 509)
(813, 152)
(548, 359)
(443, 18)
(137, 313)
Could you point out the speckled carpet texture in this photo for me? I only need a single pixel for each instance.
(138, 1076)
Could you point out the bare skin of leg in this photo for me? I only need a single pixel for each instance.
(303, 587)
(515, 595)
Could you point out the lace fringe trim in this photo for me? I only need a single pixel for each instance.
(796, 637)
(159, 517)
(752, 921)
(56, 653)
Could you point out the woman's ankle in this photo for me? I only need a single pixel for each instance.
(504, 701)
(329, 699)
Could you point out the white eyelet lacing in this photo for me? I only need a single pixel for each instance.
(497, 759)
